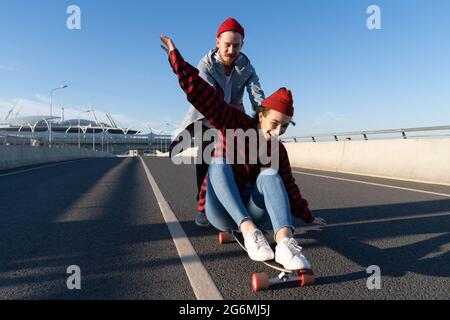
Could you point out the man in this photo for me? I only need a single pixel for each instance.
(229, 70)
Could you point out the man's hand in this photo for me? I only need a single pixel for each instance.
(319, 221)
(167, 45)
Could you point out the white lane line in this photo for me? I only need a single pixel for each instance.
(201, 282)
(40, 167)
(353, 223)
(374, 184)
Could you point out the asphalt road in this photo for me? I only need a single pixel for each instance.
(102, 216)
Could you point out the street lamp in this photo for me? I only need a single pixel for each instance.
(79, 126)
(163, 137)
(93, 137)
(160, 134)
(51, 112)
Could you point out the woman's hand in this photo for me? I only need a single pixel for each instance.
(320, 221)
(167, 45)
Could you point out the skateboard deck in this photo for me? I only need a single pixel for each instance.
(262, 281)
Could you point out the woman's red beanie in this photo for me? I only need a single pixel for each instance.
(230, 25)
(281, 101)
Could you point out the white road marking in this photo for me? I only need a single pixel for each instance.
(201, 282)
(362, 222)
(40, 167)
(374, 184)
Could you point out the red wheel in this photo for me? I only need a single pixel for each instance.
(225, 237)
(306, 278)
(260, 282)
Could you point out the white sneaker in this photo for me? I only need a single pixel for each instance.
(289, 254)
(258, 248)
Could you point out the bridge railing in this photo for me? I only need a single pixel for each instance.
(108, 143)
(365, 134)
(10, 140)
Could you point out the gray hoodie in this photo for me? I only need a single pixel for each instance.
(243, 77)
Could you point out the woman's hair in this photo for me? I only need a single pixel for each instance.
(260, 109)
(264, 111)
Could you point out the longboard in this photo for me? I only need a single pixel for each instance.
(262, 281)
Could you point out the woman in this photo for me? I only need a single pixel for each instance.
(227, 69)
(248, 196)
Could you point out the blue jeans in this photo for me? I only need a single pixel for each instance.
(266, 203)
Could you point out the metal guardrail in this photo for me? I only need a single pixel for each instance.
(365, 134)
(109, 143)
(8, 140)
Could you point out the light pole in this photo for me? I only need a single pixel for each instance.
(79, 126)
(160, 134)
(51, 113)
(163, 137)
(98, 123)
(93, 137)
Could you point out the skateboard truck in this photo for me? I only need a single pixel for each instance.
(262, 281)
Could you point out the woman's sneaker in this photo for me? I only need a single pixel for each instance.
(289, 254)
(201, 220)
(258, 248)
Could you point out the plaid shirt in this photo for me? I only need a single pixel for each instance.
(210, 103)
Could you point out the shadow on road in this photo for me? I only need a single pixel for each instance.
(416, 241)
(33, 249)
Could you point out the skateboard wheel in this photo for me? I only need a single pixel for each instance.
(306, 280)
(225, 237)
(260, 282)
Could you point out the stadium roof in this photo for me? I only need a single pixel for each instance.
(41, 121)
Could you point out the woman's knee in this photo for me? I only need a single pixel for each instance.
(219, 161)
(269, 175)
(218, 169)
(218, 164)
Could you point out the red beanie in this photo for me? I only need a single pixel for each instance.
(230, 25)
(281, 101)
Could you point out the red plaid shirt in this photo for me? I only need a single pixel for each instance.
(210, 103)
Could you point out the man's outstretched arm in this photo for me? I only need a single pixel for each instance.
(200, 94)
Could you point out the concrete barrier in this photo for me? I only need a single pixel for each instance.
(420, 159)
(19, 156)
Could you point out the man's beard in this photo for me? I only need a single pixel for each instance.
(228, 61)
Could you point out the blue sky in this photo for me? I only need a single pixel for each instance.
(344, 77)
